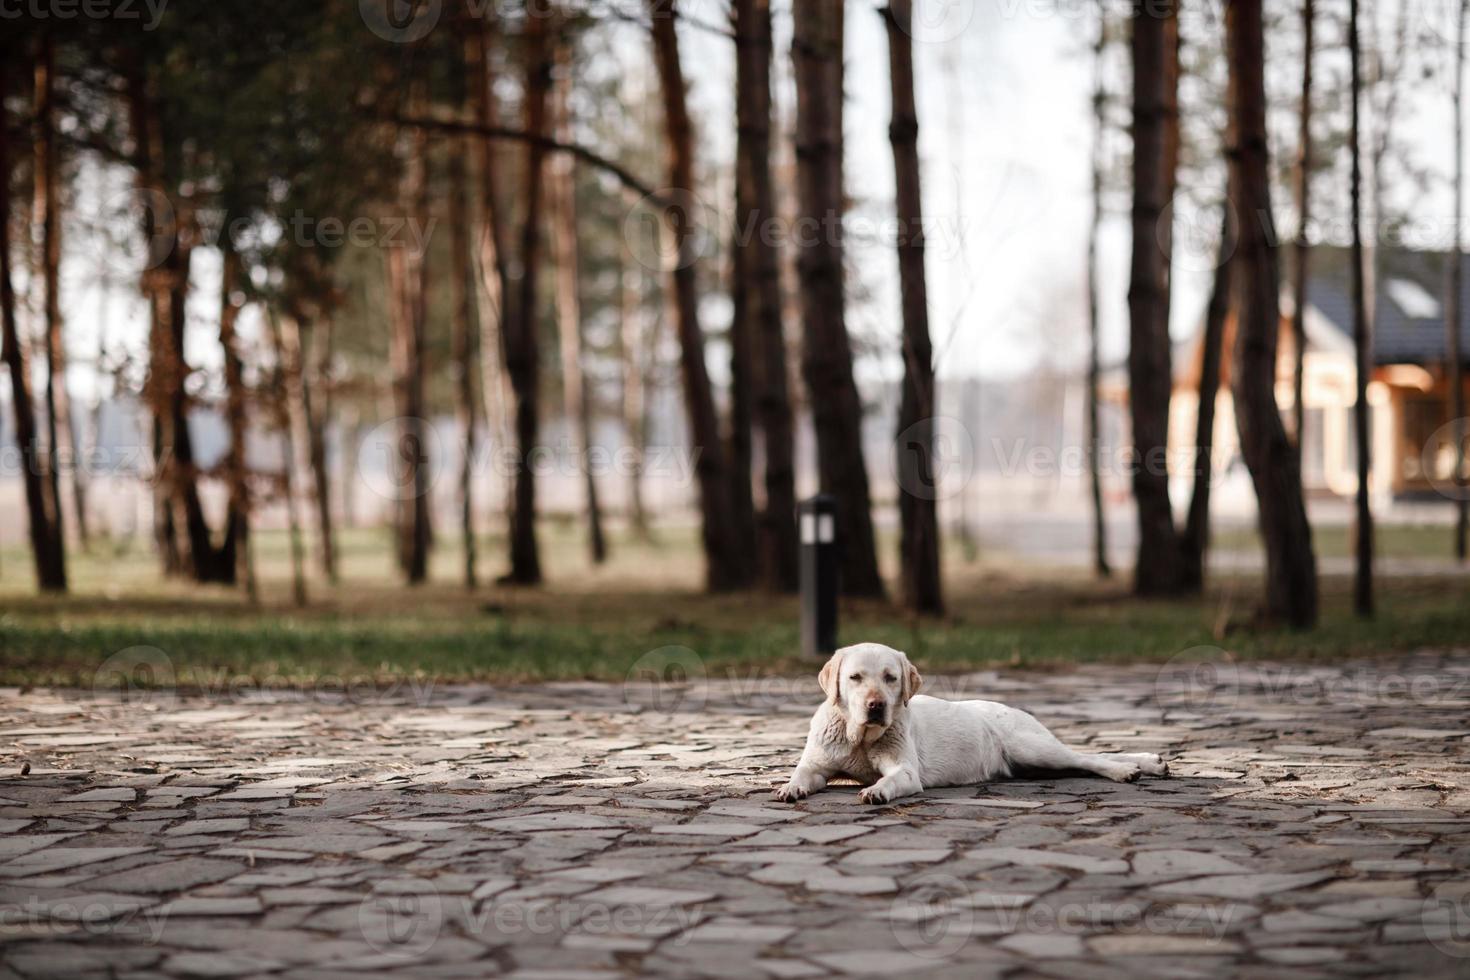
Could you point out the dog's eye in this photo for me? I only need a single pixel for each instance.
(889, 678)
(856, 677)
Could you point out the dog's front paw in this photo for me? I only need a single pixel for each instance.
(791, 792)
(1153, 765)
(1124, 772)
(875, 794)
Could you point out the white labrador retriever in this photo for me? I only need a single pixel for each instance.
(876, 728)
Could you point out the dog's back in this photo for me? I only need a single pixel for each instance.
(959, 742)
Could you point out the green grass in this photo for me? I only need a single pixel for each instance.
(1336, 540)
(597, 624)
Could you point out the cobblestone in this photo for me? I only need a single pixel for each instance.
(1318, 818)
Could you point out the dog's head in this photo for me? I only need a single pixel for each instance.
(868, 683)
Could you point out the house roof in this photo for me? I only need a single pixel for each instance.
(1409, 327)
(1409, 322)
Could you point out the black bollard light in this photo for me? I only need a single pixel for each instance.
(817, 522)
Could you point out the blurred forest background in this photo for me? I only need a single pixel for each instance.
(500, 338)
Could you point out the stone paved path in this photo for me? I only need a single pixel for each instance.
(1317, 824)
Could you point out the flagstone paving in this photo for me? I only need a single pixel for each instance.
(1317, 824)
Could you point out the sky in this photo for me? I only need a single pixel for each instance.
(1005, 142)
(1004, 97)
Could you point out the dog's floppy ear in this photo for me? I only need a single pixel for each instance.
(831, 676)
(912, 679)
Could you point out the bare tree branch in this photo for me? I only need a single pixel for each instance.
(624, 176)
(694, 22)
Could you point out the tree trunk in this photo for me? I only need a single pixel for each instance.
(1454, 290)
(742, 496)
(399, 327)
(463, 343)
(61, 435)
(1094, 365)
(1303, 248)
(1388, 62)
(1362, 338)
(495, 317)
(562, 198)
(165, 533)
(1150, 369)
(155, 288)
(286, 344)
(94, 408)
(205, 561)
(725, 568)
(759, 289)
(314, 369)
(237, 533)
(743, 305)
(409, 274)
(348, 467)
(837, 413)
(521, 344)
(1291, 568)
(49, 557)
(1196, 537)
(166, 286)
(637, 348)
(914, 448)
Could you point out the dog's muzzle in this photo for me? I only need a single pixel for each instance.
(877, 713)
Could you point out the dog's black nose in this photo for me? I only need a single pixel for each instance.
(875, 712)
